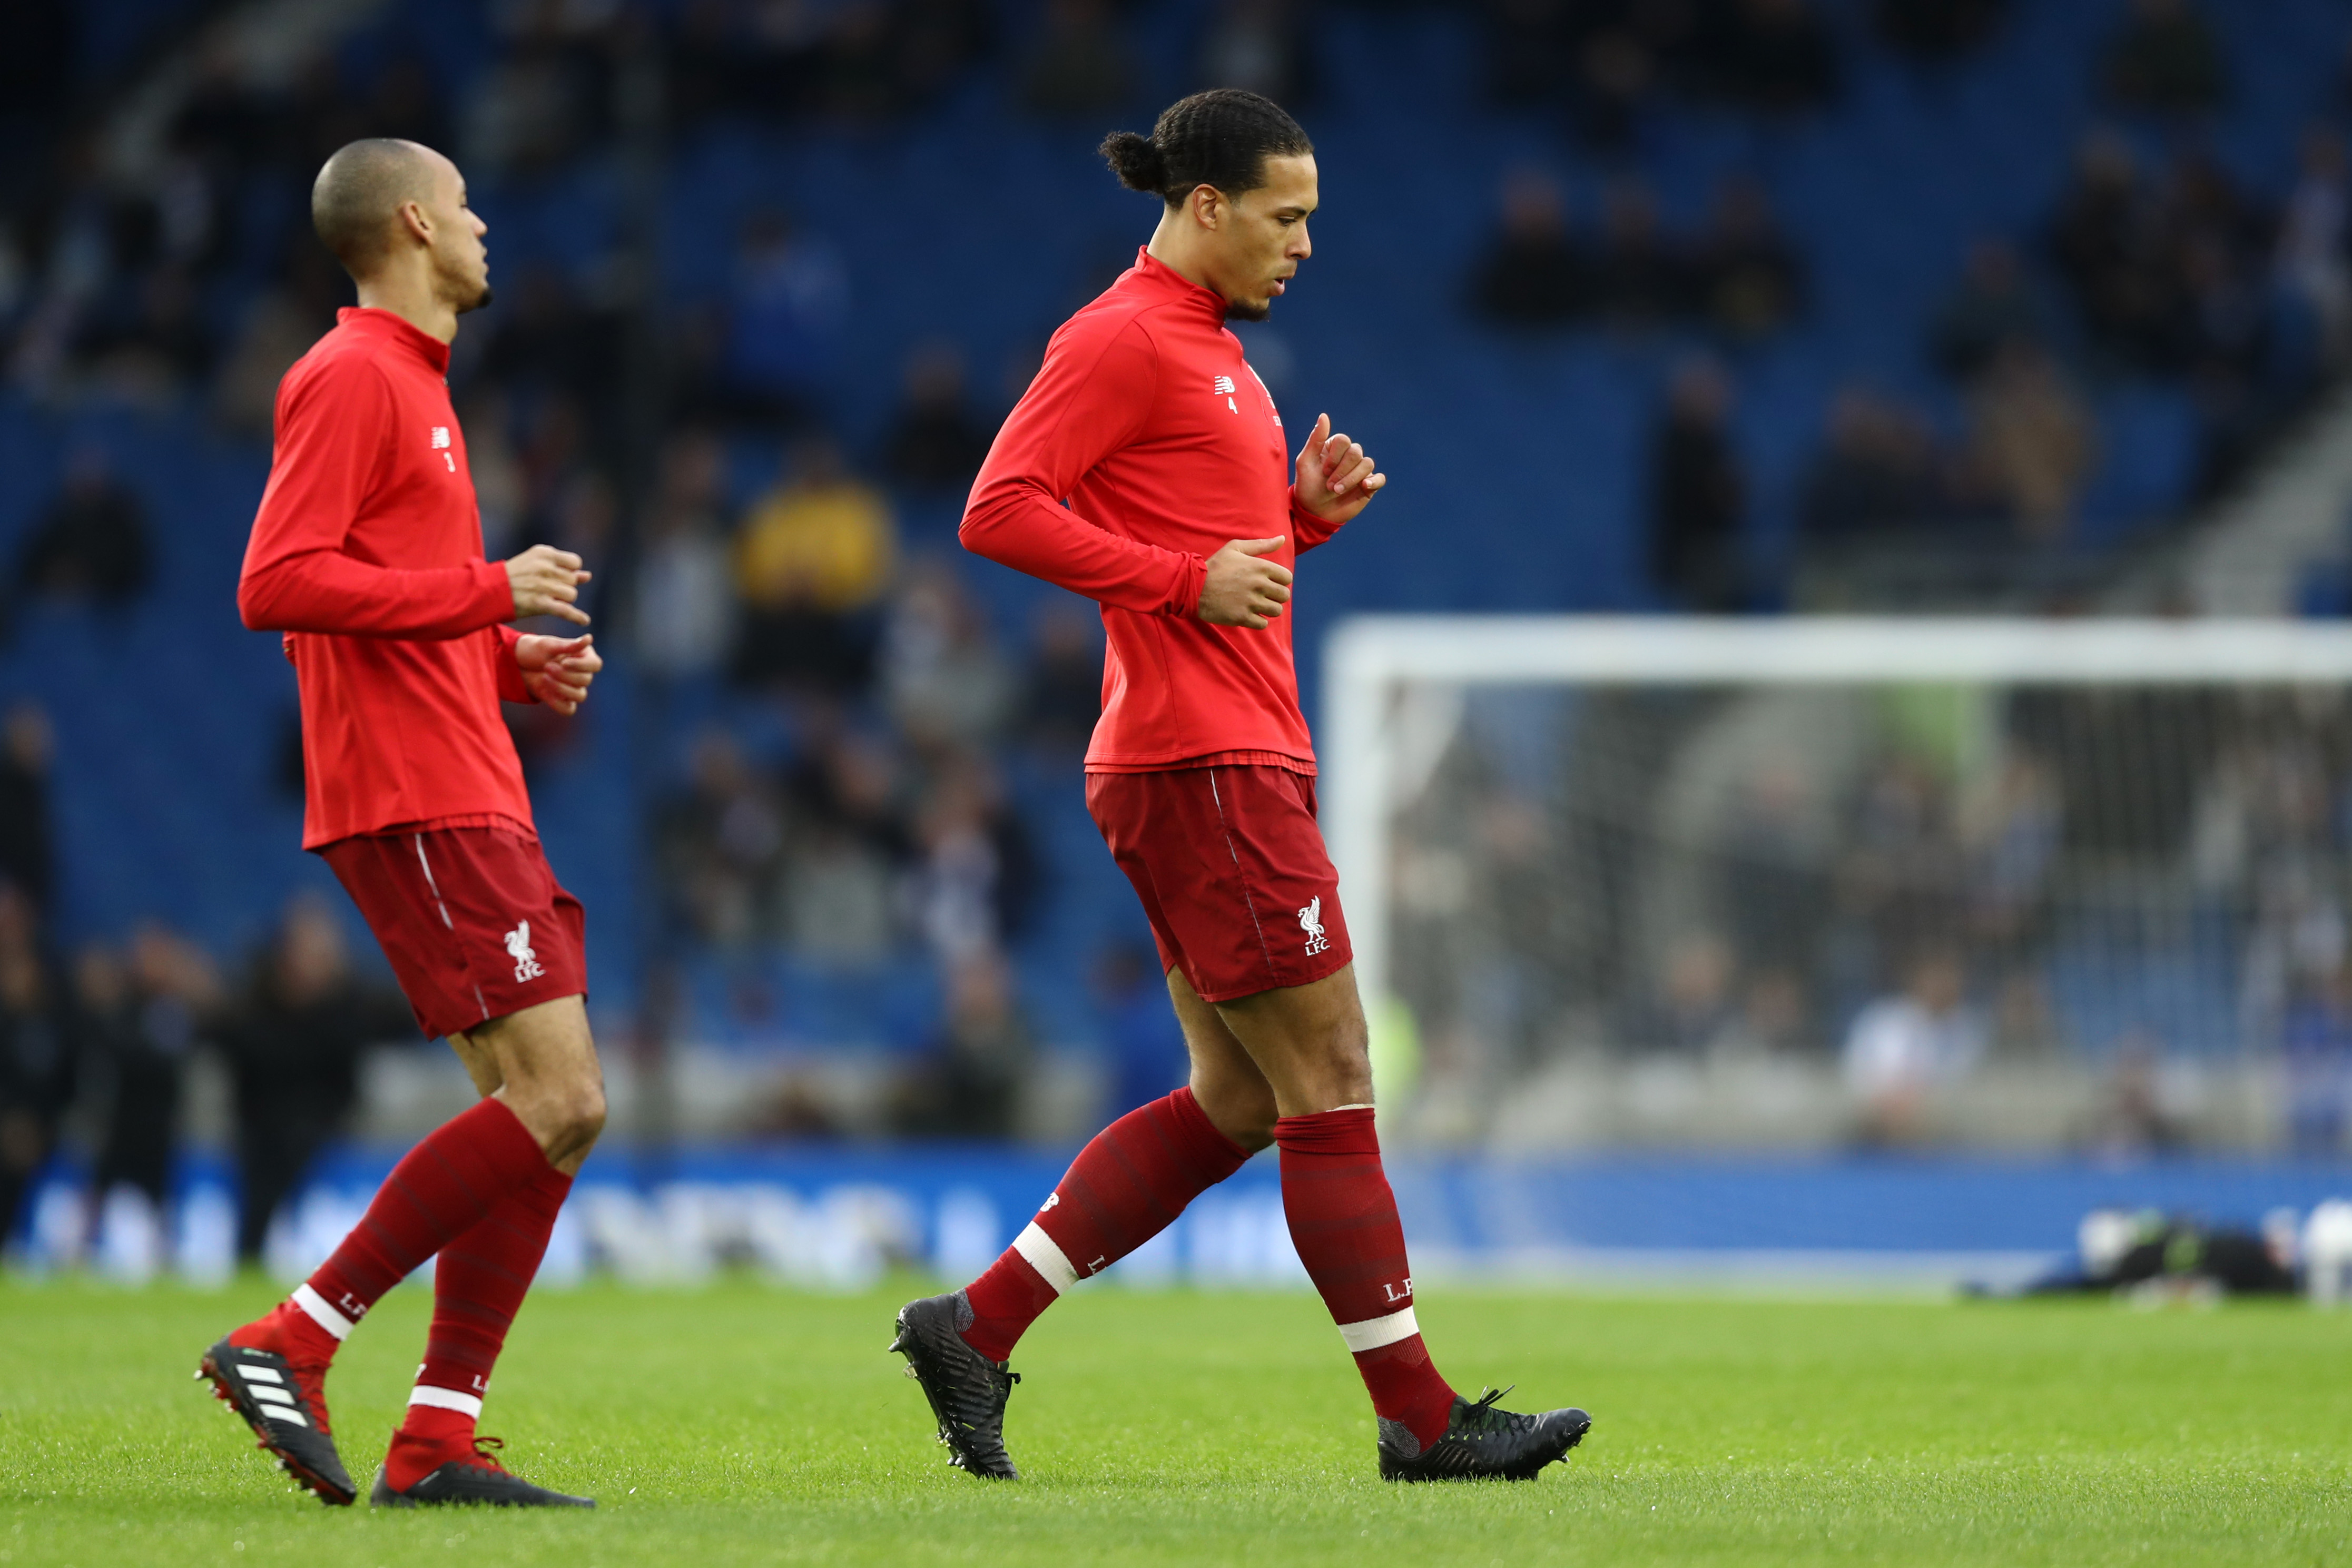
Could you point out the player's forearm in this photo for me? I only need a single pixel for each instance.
(1015, 524)
(328, 591)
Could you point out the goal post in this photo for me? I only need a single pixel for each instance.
(2188, 714)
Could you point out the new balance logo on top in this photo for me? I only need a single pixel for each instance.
(1225, 389)
(518, 947)
(441, 444)
(1310, 920)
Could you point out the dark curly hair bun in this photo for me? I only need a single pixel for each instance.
(1136, 161)
(1221, 138)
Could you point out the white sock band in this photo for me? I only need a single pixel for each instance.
(446, 1399)
(325, 1316)
(1374, 1333)
(1045, 1257)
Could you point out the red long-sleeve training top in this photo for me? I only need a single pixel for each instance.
(1146, 419)
(367, 553)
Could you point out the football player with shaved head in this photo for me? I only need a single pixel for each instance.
(367, 557)
(1145, 468)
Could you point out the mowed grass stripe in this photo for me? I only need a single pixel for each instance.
(744, 1425)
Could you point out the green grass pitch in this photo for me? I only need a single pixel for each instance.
(743, 1425)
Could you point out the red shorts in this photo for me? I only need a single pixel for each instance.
(1232, 871)
(472, 919)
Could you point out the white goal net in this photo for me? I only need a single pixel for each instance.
(1921, 847)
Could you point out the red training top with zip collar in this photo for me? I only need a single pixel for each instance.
(367, 553)
(1148, 422)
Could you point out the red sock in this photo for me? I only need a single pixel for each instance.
(1125, 1187)
(477, 1286)
(440, 1189)
(1343, 1220)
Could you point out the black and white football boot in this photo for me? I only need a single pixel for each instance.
(968, 1392)
(286, 1405)
(478, 1479)
(1482, 1442)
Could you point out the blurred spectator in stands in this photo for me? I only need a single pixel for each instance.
(548, 94)
(811, 562)
(685, 618)
(844, 852)
(2010, 826)
(2315, 1045)
(2164, 59)
(141, 1020)
(1062, 690)
(936, 40)
(406, 101)
(717, 843)
(91, 542)
(1992, 304)
(1903, 1048)
(1693, 1001)
(853, 74)
(1146, 1044)
(1875, 471)
(2310, 256)
(1897, 882)
(27, 843)
(1261, 46)
(975, 874)
(1773, 56)
(1637, 278)
(2110, 243)
(1081, 64)
(293, 1035)
(1528, 46)
(1775, 888)
(710, 64)
(1937, 29)
(2130, 1120)
(278, 327)
(935, 442)
(790, 303)
(1616, 79)
(1750, 282)
(2033, 438)
(156, 346)
(37, 81)
(548, 341)
(36, 1054)
(968, 1083)
(943, 680)
(1533, 274)
(1698, 496)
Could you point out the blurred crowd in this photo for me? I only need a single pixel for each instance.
(1942, 882)
(2167, 270)
(99, 1045)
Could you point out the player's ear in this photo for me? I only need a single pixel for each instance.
(413, 220)
(1208, 205)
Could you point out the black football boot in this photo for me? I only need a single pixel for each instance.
(1481, 1443)
(967, 1391)
(480, 1479)
(286, 1405)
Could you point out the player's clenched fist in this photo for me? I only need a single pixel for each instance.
(546, 581)
(1242, 590)
(557, 669)
(1336, 479)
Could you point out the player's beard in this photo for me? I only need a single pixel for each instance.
(480, 300)
(1237, 311)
